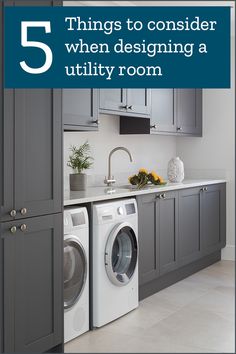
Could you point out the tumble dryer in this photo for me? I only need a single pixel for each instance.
(76, 273)
(115, 260)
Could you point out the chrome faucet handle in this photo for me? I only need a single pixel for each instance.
(109, 180)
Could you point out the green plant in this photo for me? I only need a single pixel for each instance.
(80, 158)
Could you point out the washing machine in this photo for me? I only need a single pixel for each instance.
(115, 260)
(76, 273)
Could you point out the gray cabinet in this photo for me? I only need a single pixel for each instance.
(38, 152)
(126, 102)
(113, 100)
(32, 153)
(163, 118)
(190, 222)
(80, 109)
(33, 316)
(177, 229)
(31, 234)
(139, 102)
(202, 221)
(158, 232)
(149, 268)
(167, 230)
(173, 112)
(189, 111)
(213, 218)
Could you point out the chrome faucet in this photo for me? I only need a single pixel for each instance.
(109, 180)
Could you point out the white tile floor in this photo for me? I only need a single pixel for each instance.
(195, 315)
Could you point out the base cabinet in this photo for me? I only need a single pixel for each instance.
(33, 284)
(190, 217)
(167, 230)
(158, 225)
(214, 218)
(149, 268)
(179, 228)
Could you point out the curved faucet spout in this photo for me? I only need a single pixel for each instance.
(110, 179)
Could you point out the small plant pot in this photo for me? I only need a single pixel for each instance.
(78, 182)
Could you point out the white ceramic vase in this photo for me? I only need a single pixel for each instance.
(175, 170)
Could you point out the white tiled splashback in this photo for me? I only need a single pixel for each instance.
(150, 151)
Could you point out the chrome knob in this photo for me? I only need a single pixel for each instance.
(179, 129)
(23, 211)
(23, 227)
(13, 213)
(13, 229)
(96, 122)
(130, 107)
(205, 189)
(163, 196)
(154, 126)
(124, 107)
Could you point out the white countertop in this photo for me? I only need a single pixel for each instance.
(94, 194)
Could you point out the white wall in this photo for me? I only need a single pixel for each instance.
(213, 155)
(152, 152)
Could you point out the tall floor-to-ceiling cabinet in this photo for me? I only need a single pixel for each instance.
(31, 231)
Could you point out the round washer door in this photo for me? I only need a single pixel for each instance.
(75, 270)
(121, 254)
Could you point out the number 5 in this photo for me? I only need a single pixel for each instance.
(26, 43)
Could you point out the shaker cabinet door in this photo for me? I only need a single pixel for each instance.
(167, 230)
(6, 155)
(33, 320)
(112, 100)
(80, 109)
(38, 152)
(214, 218)
(190, 225)
(162, 115)
(139, 101)
(148, 242)
(189, 111)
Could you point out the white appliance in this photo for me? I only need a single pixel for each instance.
(76, 273)
(115, 260)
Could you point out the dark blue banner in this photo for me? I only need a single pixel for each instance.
(112, 47)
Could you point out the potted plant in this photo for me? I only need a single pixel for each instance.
(79, 160)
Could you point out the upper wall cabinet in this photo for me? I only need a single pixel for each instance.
(189, 111)
(126, 102)
(80, 109)
(163, 117)
(173, 112)
(113, 100)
